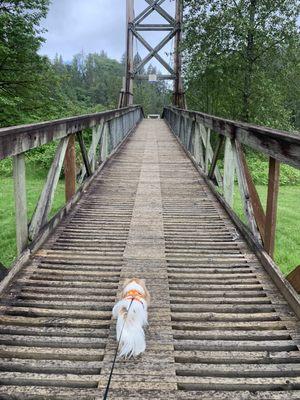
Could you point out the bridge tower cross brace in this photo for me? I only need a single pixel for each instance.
(173, 29)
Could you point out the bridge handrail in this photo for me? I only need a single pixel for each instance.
(195, 129)
(280, 145)
(18, 139)
(109, 130)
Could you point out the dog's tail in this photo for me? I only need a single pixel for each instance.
(130, 328)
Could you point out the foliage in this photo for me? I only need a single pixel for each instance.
(259, 168)
(242, 60)
(20, 64)
(288, 219)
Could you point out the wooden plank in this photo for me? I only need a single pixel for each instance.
(294, 278)
(244, 190)
(92, 156)
(40, 217)
(216, 157)
(70, 169)
(271, 213)
(198, 147)
(20, 202)
(258, 210)
(105, 143)
(229, 169)
(84, 154)
(209, 154)
(207, 144)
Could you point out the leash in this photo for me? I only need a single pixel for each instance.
(105, 397)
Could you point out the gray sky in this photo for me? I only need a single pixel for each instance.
(94, 25)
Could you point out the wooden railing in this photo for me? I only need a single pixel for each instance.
(109, 129)
(195, 130)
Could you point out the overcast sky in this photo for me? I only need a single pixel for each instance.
(93, 25)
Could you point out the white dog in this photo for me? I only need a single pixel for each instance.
(131, 314)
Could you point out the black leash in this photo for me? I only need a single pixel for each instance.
(105, 397)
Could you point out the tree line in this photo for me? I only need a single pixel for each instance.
(35, 88)
(242, 60)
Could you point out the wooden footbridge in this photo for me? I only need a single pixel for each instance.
(153, 199)
(224, 323)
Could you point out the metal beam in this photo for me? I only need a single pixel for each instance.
(153, 27)
(158, 77)
(152, 51)
(172, 29)
(155, 50)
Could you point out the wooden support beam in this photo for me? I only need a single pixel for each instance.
(271, 213)
(20, 202)
(198, 147)
(216, 157)
(104, 150)
(84, 153)
(70, 169)
(92, 156)
(205, 135)
(207, 144)
(229, 168)
(244, 190)
(294, 278)
(258, 210)
(40, 216)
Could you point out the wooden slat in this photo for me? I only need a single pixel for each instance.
(20, 202)
(84, 154)
(40, 216)
(271, 213)
(70, 169)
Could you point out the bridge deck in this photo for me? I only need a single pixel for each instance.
(219, 328)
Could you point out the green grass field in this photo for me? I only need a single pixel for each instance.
(287, 250)
(7, 213)
(287, 254)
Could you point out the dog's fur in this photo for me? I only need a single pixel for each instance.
(132, 317)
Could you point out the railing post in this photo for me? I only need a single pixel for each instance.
(228, 180)
(198, 148)
(20, 202)
(271, 213)
(70, 169)
(207, 143)
(104, 144)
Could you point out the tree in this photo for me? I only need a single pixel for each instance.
(20, 40)
(237, 52)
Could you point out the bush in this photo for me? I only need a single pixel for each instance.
(259, 168)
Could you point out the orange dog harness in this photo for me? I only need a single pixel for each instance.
(134, 295)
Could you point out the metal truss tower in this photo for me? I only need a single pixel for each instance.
(173, 29)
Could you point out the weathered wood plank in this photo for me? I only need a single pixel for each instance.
(271, 212)
(283, 146)
(244, 190)
(18, 139)
(20, 202)
(70, 169)
(40, 216)
(229, 169)
(84, 154)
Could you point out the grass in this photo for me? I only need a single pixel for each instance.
(287, 249)
(34, 186)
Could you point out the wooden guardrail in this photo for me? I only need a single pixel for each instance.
(109, 129)
(194, 130)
